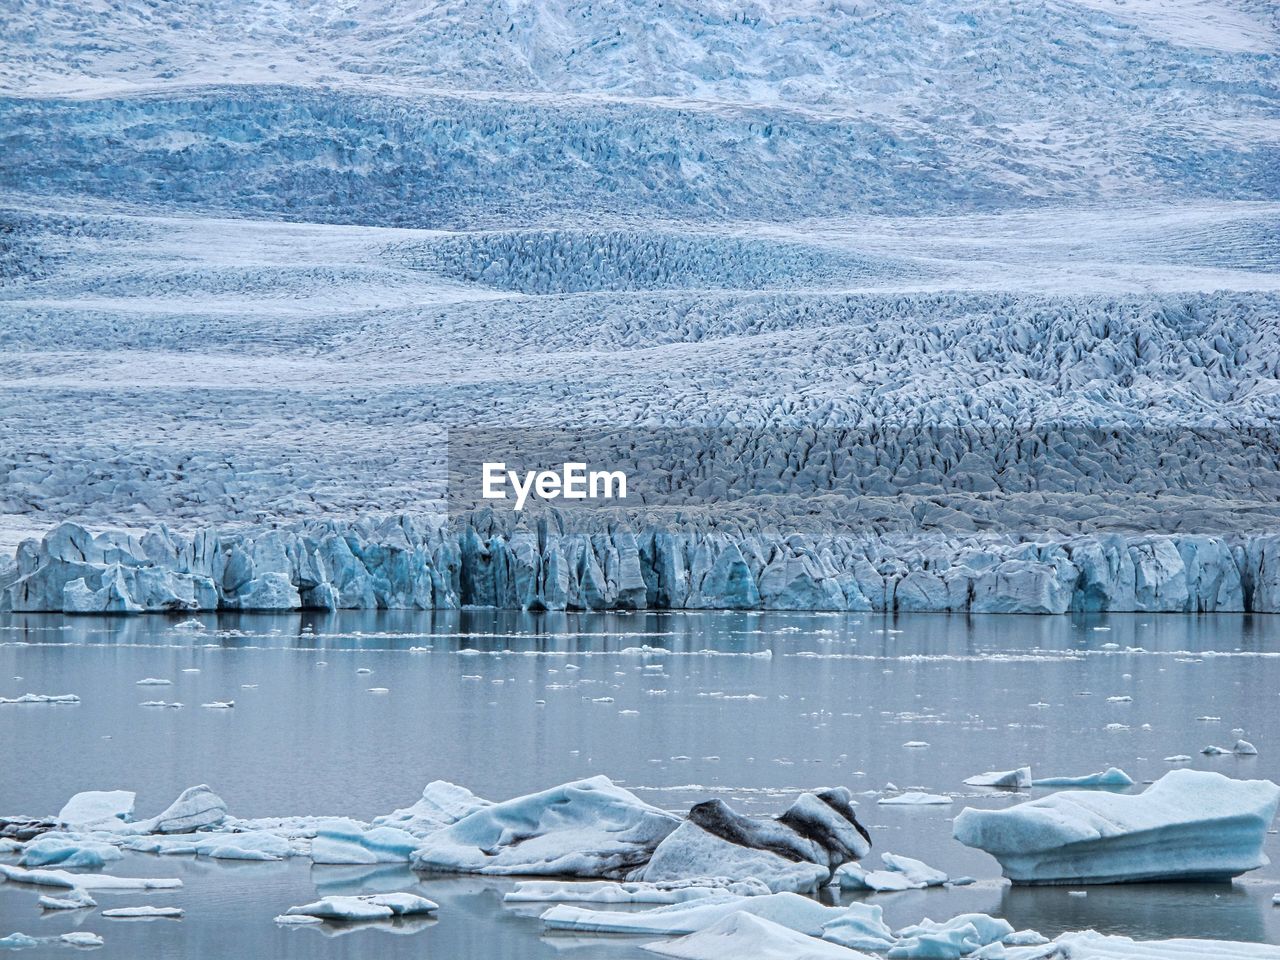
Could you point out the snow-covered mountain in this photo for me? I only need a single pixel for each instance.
(944, 268)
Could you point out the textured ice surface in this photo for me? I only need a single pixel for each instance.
(789, 909)
(381, 906)
(1189, 825)
(797, 851)
(83, 881)
(590, 828)
(740, 934)
(1019, 779)
(1090, 945)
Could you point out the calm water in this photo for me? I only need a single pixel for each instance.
(749, 707)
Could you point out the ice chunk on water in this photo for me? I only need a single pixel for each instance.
(378, 906)
(72, 900)
(66, 851)
(789, 909)
(860, 927)
(915, 798)
(143, 913)
(441, 804)
(589, 828)
(18, 941)
(853, 876)
(42, 698)
(951, 939)
(1111, 777)
(1090, 945)
(346, 841)
(97, 809)
(914, 870)
(1019, 779)
(1190, 825)
(742, 935)
(692, 851)
(196, 807)
(796, 851)
(1244, 748)
(82, 938)
(674, 891)
(83, 881)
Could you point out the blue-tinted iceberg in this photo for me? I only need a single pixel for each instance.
(1190, 825)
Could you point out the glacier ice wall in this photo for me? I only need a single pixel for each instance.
(428, 563)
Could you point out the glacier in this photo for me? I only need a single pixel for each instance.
(1189, 826)
(268, 279)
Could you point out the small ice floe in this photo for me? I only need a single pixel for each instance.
(1117, 726)
(674, 891)
(1019, 779)
(378, 690)
(154, 682)
(100, 809)
(75, 899)
(42, 698)
(960, 936)
(914, 870)
(861, 927)
(1209, 719)
(1098, 946)
(83, 881)
(1177, 758)
(1244, 748)
(248, 686)
(64, 850)
(915, 744)
(189, 626)
(219, 704)
(143, 913)
(853, 876)
(1158, 835)
(171, 705)
(791, 910)
(1275, 899)
(915, 798)
(363, 670)
(18, 941)
(1111, 777)
(1212, 751)
(376, 906)
(743, 935)
(190, 669)
(82, 938)
(1124, 699)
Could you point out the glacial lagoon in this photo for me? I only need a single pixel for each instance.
(353, 713)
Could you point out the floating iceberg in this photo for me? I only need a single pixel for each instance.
(604, 891)
(915, 798)
(853, 876)
(1190, 825)
(589, 828)
(949, 940)
(66, 851)
(74, 900)
(1019, 779)
(1111, 777)
(1090, 945)
(83, 881)
(743, 935)
(378, 906)
(797, 851)
(347, 841)
(788, 909)
(42, 698)
(82, 938)
(861, 927)
(143, 913)
(914, 870)
(97, 809)
(196, 808)
(441, 804)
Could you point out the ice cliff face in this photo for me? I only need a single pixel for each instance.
(409, 564)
